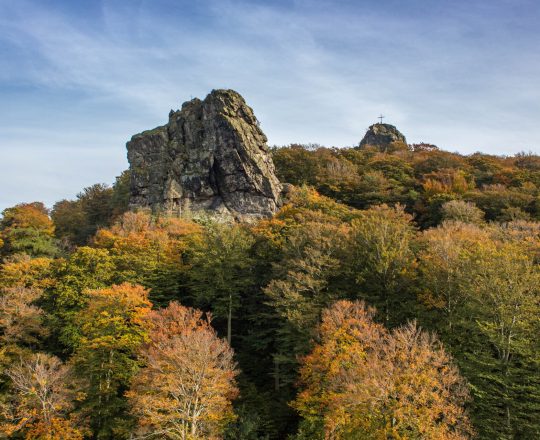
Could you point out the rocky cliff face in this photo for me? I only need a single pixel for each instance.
(210, 156)
(381, 136)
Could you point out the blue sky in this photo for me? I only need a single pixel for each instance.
(79, 77)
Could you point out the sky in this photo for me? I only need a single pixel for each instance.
(79, 77)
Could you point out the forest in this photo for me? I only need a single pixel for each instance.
(394, 295)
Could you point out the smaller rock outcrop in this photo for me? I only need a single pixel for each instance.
(381, 136)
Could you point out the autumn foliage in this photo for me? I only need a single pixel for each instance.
(185, 388)
(324, 316)
(27, 228)
(41, 399)
(362, 381)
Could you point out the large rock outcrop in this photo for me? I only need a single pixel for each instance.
(210, 156)
(381, 136)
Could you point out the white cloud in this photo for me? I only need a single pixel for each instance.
(314, 71)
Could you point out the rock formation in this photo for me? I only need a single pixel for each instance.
(210, 156)
(381, 136)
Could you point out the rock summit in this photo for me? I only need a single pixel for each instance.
(381, 136)
(211, 156)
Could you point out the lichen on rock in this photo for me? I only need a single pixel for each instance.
(211, 156)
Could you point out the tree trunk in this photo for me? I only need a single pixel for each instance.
(229, 321)
(276, 374)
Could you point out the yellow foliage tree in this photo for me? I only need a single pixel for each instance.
(147, 251)
(112, 328)
(21, 270)
(41, 397)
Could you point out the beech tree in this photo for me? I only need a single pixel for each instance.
(382, 257)
(482, 286)
(85, 269)
(474, 282)
(302, 287)
(458, 210)
(27, 228)
(21, 332)
(22, 270)
(40, 400)
(111, 331)
(444, 261)
(362, 381)
(504, 281)
(186, 387)
(148, 251)
(21, 322)
(69, 221)
(221, 270)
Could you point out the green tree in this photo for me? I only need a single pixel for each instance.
(96, 203)
(221, 272)
(304, 284)
(121, 193)
(26, 228)
(444, 262)
(458, 210)
(112, 330)
(95, 207)
(382, 258)
(295, 164)
(505, 303)
(69, 220)
(87, 268)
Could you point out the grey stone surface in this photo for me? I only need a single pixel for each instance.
(381, 136)
(211, 156)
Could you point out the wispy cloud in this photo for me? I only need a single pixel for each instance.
(464, 75)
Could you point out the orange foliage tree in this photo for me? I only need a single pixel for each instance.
(147, 250)
(21, 322)
(362, 381)
(22, 270)
(185, 389)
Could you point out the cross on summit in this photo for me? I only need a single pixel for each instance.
(381, 117)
